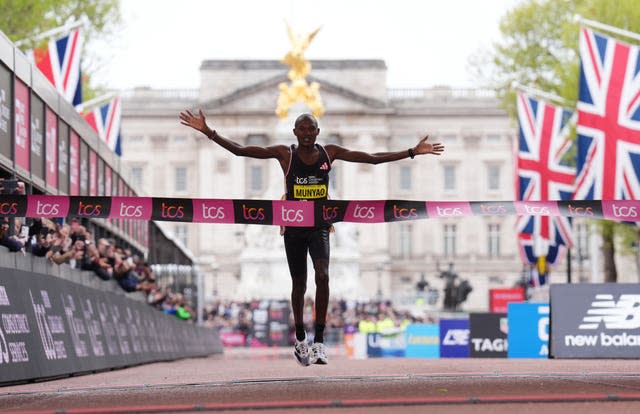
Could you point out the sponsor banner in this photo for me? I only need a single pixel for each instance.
(93, 173)
(312, 213)
(493, 208)
(13, 205)
(595, 320)
(37, 139)
(454, 338)
(74, 163)
(131, 208)
(499, 298)
(52, 327)
(537, 208)
(292, 213)
(47, 206)
(21, 127)
(213, 211)
(172, 209)
(330, 211)
(422, 341)
(253, 211)
(580, 208)
(6, 108)
(488, 335)
(90, 207)
(363, 211)
(449, 209)
(528, 330)
(384, 345)
(278, 319)
(232, 338)
(51, 148)
(399, 210)
(621, 210)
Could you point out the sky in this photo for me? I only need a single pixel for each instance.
(162, 43)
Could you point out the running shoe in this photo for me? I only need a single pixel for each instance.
(318, 354)
(301, 352)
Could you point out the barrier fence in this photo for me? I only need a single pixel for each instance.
(51, 327)
(301, 213)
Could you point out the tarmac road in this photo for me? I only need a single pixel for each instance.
(269, 380)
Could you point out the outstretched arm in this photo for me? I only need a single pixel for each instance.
(423, 147)
(198, 122)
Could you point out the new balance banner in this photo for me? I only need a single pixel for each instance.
(454, 338)
(528, 330)
(595, 320)
(51, 327)
(422, 341)
(488, 335)
(308, 213)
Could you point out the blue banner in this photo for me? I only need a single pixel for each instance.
(454, 338)
(385, 345)
(422, 341)
(528, 330)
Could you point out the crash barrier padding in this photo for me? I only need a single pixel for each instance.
(301, 213)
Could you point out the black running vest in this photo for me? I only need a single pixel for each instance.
(308, 182)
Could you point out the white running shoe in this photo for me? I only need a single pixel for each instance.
(301, 352)
(318, 354)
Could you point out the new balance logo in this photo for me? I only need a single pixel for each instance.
(324, 166)
(623, 314)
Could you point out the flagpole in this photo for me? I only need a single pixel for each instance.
(534, 91)
(606, 27)
(53, 32)
(94, 102)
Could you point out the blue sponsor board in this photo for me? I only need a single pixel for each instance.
(385, 345)
(454, 338)
(528, 330)
(422, 341)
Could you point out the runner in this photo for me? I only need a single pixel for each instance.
(306, 169)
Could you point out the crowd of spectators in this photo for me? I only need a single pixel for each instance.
(74, 244)
(346, 316)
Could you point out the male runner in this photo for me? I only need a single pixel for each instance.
(306, 168)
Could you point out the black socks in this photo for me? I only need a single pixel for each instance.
(319, 334)
(300, 333)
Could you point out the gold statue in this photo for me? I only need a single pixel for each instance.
(299, 90)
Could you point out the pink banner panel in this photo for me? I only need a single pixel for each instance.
(293, 213)
(365, 211)
(108, 180)
(537, 208)
(213, 211)
(51, 148)
(131, 208)
(449, 209)
(621, 210)
(22, 127)
(47, 206)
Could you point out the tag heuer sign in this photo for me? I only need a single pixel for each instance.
(595, 320)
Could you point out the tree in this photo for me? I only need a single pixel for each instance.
(25, 19)
(540, 49)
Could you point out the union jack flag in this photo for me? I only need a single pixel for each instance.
(542, 172)
(608, 127)
(59, 61)
(105, 120)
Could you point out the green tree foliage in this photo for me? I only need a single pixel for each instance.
(540, 49)
(23, 20)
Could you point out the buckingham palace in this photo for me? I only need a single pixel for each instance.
(368, 261)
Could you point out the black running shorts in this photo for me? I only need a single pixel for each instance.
(300, 240)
